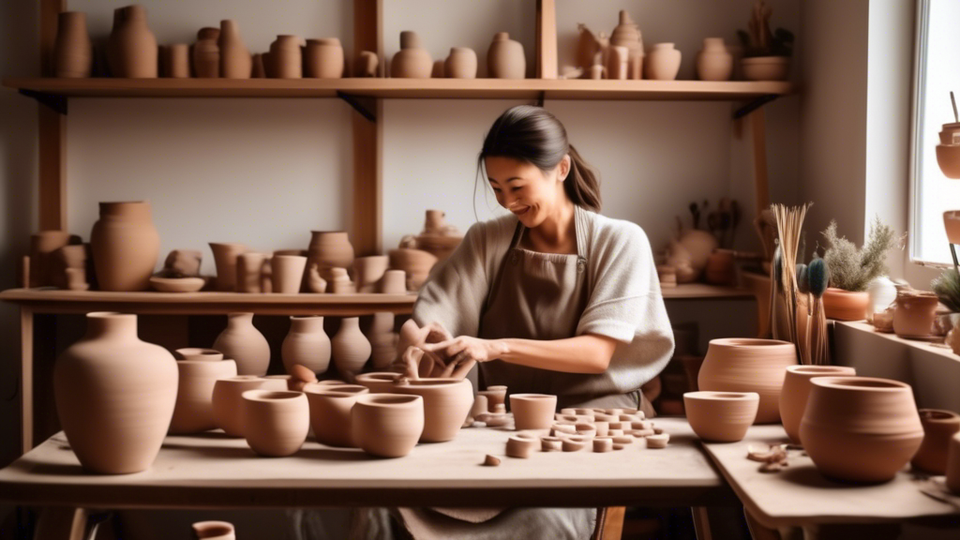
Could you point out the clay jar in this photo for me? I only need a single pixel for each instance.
(206, 54)
(533, 411)
(461, 64)
(323, 59)
(213, 530)
(306, 344)
(387, 425)
(351, 350)
(845, 305)
(275, 423)
(227, 404)
(446, 403)
(193, 412)
(663, 62)
(379, 382)
(330, 249)
(72, 50)
(235, 59)
(860, 429)
(367, 271)
(125, 246)
(412, 61)
(286, 58)
(225, 258)
(505, 58)
(416, 263)
(796, 390)
(330, 408)
(938, 428)
(132, 48)
(287, 273)
(915, 313)
(749, 365)
(115, 395)
(714, 61)
(242, 342)
(721, 416)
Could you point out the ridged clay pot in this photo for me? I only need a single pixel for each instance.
(323, 59)
(915, 313)
(505, 58)
(330, 249)
(415, 262)
(351, 350)
(193, 412)
(132, 47)
(939, 426)
(412, 61)
(243, 343)
(235, 59)
(766, 68)
(330, 408)
(213, 530)
(387, 425)
(286, 58)
(287, 273)
(845, 305)
(175, 61)
(125, 246)
(627, 34)
(379, 382)
(383, 340)
(663, 62)
(367, 271)
(72, 50)
(275, 423)
(721, 416)
(225, 258)
(461, 64)
(307, 345)
(796, 391)
(446, 403)
(115, 395)
(227, 400)
(533, 411)
(714, 61)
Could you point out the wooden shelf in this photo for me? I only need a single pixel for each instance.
(702, 291)
(405, 88)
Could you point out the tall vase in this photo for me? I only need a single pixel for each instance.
(330, 249)
(505, 58)
(225, 258)
(351, 350)
(323, 59)
(412, 61)
(286, 58)
(115, 395)
(383, 340)
(132, 48)
(72, 51)
(125, 246)
(243, 343)
(306, 344)
(235, 59)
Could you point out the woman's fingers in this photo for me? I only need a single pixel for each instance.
(463, 368)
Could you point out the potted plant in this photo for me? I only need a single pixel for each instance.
(766, 54)
(852, 269)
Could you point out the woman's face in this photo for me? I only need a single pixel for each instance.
(525, 190)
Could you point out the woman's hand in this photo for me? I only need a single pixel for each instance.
(464, 349)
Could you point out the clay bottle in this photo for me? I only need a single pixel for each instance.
(73, 52)
(132, 48)
(125, 246)
(351, 350)
(306, 344)
(505, 59)
(242, 342)
(235, 59)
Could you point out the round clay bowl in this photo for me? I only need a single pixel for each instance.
(939, 427)
(953, 464)
(860, 429)
(721, 416)
(198, 354)
(275, 423)
(446, 404)
(177, 285)
(845, 305)
(330, 408)
(533, 411)
(387, 425)
(766, 68)
(379, 382)
(193, 412)
(796, 390)
(227, 402)
(948, 157)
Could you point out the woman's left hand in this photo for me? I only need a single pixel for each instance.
(465, 349)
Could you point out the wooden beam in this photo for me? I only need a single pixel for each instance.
(52, 129)
(367, 193)
(546, 39)
(26, 379)
(758, 133)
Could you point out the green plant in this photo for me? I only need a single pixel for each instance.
(851, 269)
(947, 287)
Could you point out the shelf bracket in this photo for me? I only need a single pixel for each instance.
(360, 105)
(541, 98)
(753, 105)
(55, 102)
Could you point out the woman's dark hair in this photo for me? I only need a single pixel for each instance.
(533, 135)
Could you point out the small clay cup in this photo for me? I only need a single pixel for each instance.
(721, 416)
(330, 407)
(387, 425)
(226, 400)
(533, 411)
(275, 423)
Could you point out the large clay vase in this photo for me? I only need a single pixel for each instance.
(663, 62)
(915, 313)
(796, 390)
(721, 416)
(939, 427)
(193, 412)
(115, 395)
(412, 61)
(307, 345)
(275, 423)
(845, 305)
(415, 262)
(505, 58)
(323, 59)
(132, 48)
(367, 271)
(228, 400)
(351, 350)
(387, 425)
(446, 403)
(461, 64)
(860, 429)
(235, 59)
(72, 50)
(225, 258)
(749, 365)
(125, 246)
(330, 408)
(330, 249)
(243, 343)
(714, 61)
(383, 340)
(206, 54)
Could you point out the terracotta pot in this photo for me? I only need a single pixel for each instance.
(227, 401)
(766, 68)
(225, 258)
(446, 403)
(533, 411)
(323, 59)
(42, 247)
(213, 530)
(721, 416)
(505, 58)
(915, 313)
(617, 63)
(383, 340)
(249, 265)
(286, 58)
(351, 350)
(860, 429)
(275, 423)
(496, 396)
(845, 305)
(387, 425)
(416, 263)
(288, 273)
(115, 395)
(721, 268)
(175, 61)
(412, 61)
(243, 343)
(379, 382)
(366, 65)
(330, 408)
(330, 249)
(64, 259)
(132, 48)
(340, 282)
(72, 50)
(193, 412)
(714, 61)
(953, 464)
(307, 345)
(951, 223)
(367, 271)
(796, 390)
(393, 282)
(125, 246)
(235, 59)
(198, 353)
(749, 365)
(206, 54)
(939, 427)
(663, 62)
(461, 64)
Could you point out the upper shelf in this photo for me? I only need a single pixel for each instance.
(406, 88)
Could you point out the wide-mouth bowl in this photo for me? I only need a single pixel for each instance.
(860, 384)
(820, 370)
(337, 390)
(264, 396)
(531, 398)
(936, 416)
(704, 395)
(387, 400)
(379, 376)
(199, 353)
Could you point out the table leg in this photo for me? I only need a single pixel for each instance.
(26, 379)
(758, 531)
(701, 523)
(57, 523)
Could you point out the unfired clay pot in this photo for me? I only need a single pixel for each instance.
(845, 305)
(275, 423)
(225, 258)
(306, 344)
(175, 61)
(235, 59)
(461, 64)
(379, 382)
(115, 395)
(766, 68)
(286, 58)
(383, 340)
(412, 61)
(125, 246)
(617, 66)
(330, 408)
(367, 271)
(366, 65)
(393, 282)
(663, 62)
(496, 396)
(953, 465)
(227, 404)
(533, 411)
(416, 263)
(249, 265)
(242, 342)
(387, 425)
(323, 59)
(213, 530)
(287, 273)
(860, 429)
(627, 34)
(351, 350)
(505, 58)
(446, 403)
(796, 390)
(330, 249)
(939, 426)
(193, 412)
(132, 48)
(749, 365)
(915, 313)
(714, 61)
(721, 416)
(72, 50)
(206, 54)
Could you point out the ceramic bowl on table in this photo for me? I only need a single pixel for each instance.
(275, 423)
(721, 416)
(387, 425)
(796, 390)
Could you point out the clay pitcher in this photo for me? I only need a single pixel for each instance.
(235, 59)
(306, 344)
(505, 59)
(125, 246)
(242, 342)
(72, 51)
(132, 48)
(351, 350)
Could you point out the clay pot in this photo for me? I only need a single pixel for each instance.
(383, 340)
(845, 305)
(953, 464)
(125, 246)
(225, 258)
(175, 61)
(288, 273)
(461, 64)
(72, 50)
(235, 59)
(213, 530)
(387, 425)
(766, 68)
(132, 48)
(721, 268)
(323, 59)
(242, 342)
(532, 411)
(330, 249)
(393, 282)
(860, 429)
(367, 271)
(749, 365)
(412, 61)
(915, 313)
(351, 350)
(617, 63)
(663, 62)
(306, 344)
(199, 354)
(206, 54)
(227, 401)
(796, 390)
(627, 34)
(286, 58)
(496, 396)
(366, 64)
(259, 70)
(381, 382)
(115, 395)
(330, 408)
(721, 416)
(505, 58)
(65, 259)
(42, 247)
(340, 282)
(275, 423)
(714, 61)
(315, 283)
(249, 265)
(939, 427)
(446, 403)
(951, 224)
(415, 262)
(193, 412)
